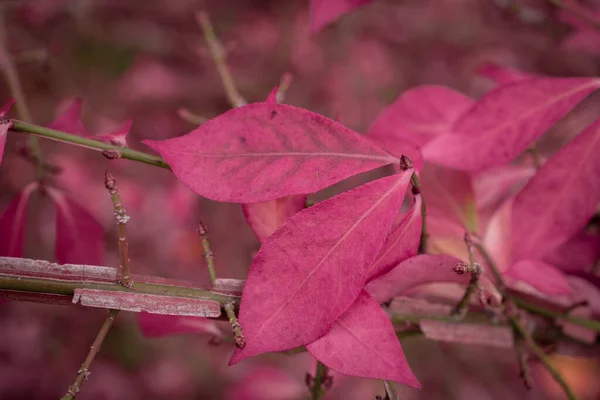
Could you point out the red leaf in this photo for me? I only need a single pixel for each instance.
(506, 121)
(265, 218)
(543, 277)
(79, 237)
(5, 125)
(421, 114)
(13, 222)
(324, 12)
(264, 151)
(415, 271)
(559, 200)
(157, 325)
(70, 120)
(315, 265)
(363, 342)
(402, 243)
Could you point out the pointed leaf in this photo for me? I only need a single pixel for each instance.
(501, 75)
(264, 151)
(421, 114)
(79, 237)
(324, 12)
(5, 125)
(402, 243)
(415, 271)
(70, 120)
(265, 218)
(13, 222)
(560, 199)
(545, 278)
(506, 121)
(157, 325)
(363, 343)
(315, 265)
(119, 136)
(399, 147)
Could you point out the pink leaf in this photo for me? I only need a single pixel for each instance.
(541, 276)
(119, 136)
(579, 253)
(560, 199)
(415, 271)
(266, 382)
(265, 151)
(421, 114)
(13, 222)
(501, 75)
(495, 185)
(363, 342)
(265, 218)
(324, 12)
(5, 125)
(399, 147)
(402, 243)
(506, 121)
(469, 333)
(157, 325)
(79, 237)
(315, 265)
(70, 120)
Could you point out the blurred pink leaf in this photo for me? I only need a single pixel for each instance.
(315, 265)
(119, 136)
(543, 277)
(79, 237)
(506, 121)
(5, 125)
(472, 334)
(501, 75)
(324, 12)
(560, 199)
(402, 243)
(157, 325)
(267, 383)
(399, 147)
(497, 238)
(421, 114)
(13, 222)
(415, 271)
(495, 185)
(363, 342)
(579, 253)
(264, 151)
(265, 218)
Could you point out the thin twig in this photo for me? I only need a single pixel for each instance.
(240, 340)
(122, 218)
(84, 371)
(524, 373)
(390, 390)
(208, 254)
(219, 55)
(475, 270)
(320, 380)
(186, 115)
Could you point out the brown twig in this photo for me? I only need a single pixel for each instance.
(208, 254)
(238, 334)
(405, 164)
(475, 270)
(524, 371)
(84, 371)
(219, 55)
(122, 219)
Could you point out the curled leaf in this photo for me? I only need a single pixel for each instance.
(506, 121)
(265, 151)
(13, 222)
(315, 265)
(363, 342)
(560, 199)
(79, 237)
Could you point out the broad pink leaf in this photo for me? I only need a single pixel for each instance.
(324, 12)
(157, 325)
(399, 147)
(402, 243)
(265, 218)
(506, 121)
(579, 253)
(415, 271)
(495, 185)
(79, 237)
(13, 222)
(501, 75)
(265, 151)
(421, 114)
(543, 277)
(70, 120)
(315, 265)
(560, 199)
(363, 342)
(5, 125)
(265, 382)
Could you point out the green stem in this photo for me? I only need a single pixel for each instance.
(390, 390)
(417, 187)
(87, 143)
(316, 390)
